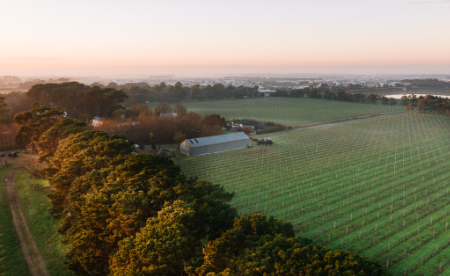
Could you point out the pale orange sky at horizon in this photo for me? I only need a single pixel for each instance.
(52, 37)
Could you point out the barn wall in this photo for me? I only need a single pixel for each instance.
(196, 151)
(184, 148)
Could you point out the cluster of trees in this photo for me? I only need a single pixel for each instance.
(7, 134)
(142, 92)
(11, 104)
(140, 121)
(341, 95)
(435, 104)
(80, 101)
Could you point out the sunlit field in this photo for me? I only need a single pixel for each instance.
(379, 186)
(289, 111)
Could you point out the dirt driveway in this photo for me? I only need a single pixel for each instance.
(33, 257)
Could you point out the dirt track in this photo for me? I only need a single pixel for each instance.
(33, 257)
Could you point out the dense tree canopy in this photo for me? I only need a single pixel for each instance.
(33, 124)
(141, 92)
(110, 204)
(3, 110)
(78, 100)
(49, 140)
(77, 155)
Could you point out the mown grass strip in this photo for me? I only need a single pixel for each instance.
(35, 206)
(12, 261)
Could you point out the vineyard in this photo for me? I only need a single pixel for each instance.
(289, 111)
(379, 186)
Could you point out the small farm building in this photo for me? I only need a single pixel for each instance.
(212, 144)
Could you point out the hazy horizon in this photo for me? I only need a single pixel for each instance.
(207, 38)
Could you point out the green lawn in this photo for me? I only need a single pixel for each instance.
(12, 261)
(378, 186)
(35, 205)
(289, 111)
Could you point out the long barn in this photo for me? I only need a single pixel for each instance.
(212, 144)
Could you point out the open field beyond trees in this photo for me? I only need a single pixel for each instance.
(377, 186)
(289, 111)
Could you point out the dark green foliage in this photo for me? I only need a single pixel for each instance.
(33, 124)
(77, 155)
(49, 140)
(3, 110)
(163, 246)
(107, 205)
(79, 100)
(260, 246)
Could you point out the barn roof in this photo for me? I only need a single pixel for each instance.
(204, 141)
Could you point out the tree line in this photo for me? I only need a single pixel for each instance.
(142, 92)
(340, 95)
(430, 103)
(428, 83)
(84, 102)
(134, 214)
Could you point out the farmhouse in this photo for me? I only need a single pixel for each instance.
(212, 144)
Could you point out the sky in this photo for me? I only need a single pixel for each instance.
(224, 37)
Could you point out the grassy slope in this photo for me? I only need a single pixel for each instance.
(289, 111)
(12, 261)
(35, 205)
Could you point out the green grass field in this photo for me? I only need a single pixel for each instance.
(379, 186)
(43, 226)
(12, 261)
(289, 111)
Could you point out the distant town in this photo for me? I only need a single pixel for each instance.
(266, 83)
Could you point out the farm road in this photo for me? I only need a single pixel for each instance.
(33, 257)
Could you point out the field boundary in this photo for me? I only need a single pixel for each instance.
(335, 122)
(33, 257)
(347, 120)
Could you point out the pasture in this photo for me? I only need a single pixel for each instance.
(289, 111)
(378, 186)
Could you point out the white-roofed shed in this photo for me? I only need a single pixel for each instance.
(213, 144)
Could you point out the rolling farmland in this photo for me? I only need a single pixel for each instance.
(289, 111)
(378, 186)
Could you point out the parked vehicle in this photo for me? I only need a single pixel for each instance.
(2, 154)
